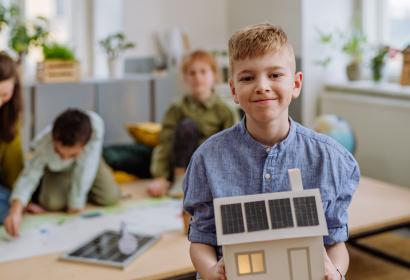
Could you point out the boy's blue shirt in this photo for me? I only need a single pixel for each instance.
(232, 163)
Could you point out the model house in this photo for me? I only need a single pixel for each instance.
(273, 235)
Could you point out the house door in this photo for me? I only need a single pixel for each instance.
(299, 264)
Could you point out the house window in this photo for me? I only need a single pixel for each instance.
(250, 263)
(387, 22)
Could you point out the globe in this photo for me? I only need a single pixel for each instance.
(337, 128)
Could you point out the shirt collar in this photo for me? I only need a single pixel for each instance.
(282, 145)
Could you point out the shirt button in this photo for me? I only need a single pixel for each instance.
(268, 149)
(267, 176)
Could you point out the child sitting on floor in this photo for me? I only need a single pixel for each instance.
(187, 123)
(66, 167)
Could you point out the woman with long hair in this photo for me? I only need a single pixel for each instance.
(11, 154)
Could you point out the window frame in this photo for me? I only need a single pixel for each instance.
(374, 21)
(249, 255)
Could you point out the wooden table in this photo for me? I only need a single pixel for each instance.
(378, 207)
(168, 258)
(375, 205)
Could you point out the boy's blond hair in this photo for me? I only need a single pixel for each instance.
(257, 40)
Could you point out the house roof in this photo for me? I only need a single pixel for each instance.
(269, 216)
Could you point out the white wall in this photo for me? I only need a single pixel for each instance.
(327, 16)
(204, 22)
(209, 24)
(382, 150)
(107, 19)
(82, 35)
(286, 14)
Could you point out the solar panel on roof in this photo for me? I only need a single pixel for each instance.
(306, 212)
(256, 217)
(104, 249)
(232, 218)
(280, 213)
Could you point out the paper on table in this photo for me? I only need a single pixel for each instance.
(53, 234)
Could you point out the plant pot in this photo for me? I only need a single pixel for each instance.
(56, 70)
(114, 70)
(353, 71)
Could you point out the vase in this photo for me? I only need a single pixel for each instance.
(353, 71)
(114, 70)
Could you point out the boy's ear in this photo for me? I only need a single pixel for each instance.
(297, 85)
(233, 92)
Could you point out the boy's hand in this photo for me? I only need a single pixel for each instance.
(13, 219)
(331, 272)
(35, 208)
(158, 187)
(217, 272)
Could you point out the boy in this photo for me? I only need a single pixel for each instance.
(67, 166)
(189, 122)
(254, 156)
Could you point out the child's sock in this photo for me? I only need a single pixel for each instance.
(176, 188)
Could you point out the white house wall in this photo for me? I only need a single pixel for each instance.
(276, 258)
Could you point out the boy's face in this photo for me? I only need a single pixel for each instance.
(68, 152)
(264, 86)
(200, 79)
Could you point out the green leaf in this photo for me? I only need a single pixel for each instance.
(57, 51)
(114, 44)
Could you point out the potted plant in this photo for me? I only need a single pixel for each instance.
(59, 64)
(25, 34)
(353, 47)
(379, 60)
(352, 44)
(114, 45)
(3, 16)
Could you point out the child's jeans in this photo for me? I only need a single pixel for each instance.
(4, 203)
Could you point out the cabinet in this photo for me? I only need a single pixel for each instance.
(122, 102)
(135, 98)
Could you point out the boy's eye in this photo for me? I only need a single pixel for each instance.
(275, 75)
(246, 78)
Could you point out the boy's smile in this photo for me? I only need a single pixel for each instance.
(265, 85)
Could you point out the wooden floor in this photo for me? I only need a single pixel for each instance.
(364, 266)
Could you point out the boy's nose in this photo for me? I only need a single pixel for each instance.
(262, 85)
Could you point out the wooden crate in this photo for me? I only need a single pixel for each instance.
(405, 73)
(54, 71)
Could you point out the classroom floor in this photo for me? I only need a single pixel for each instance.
(364, 266)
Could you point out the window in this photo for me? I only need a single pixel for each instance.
(387, 22)
(58, 12)
(250, 263)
